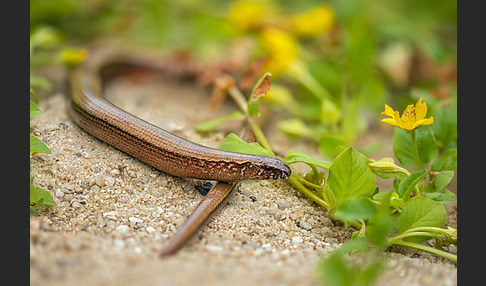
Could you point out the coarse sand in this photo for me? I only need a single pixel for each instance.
(114, 213)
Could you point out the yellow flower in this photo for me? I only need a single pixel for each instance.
(412, 118)
(314, 22)
(247, 15)
(281, 49)
(73, 56)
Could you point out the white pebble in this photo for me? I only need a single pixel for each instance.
(59, 193)
(112, 213)
(150, 229)
(296, 240)
(114, 172)
(122, 229)
(135, 219)
(76, 205)
(109, 181)
(214, 248)
(267, 246)
(283, 203)
(119, 244)
(305, 225)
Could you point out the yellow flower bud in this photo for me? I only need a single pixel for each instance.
(73, 57)
(314, 22)
(281, 48)
(246, 15)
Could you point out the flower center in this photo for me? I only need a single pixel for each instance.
(409, 115)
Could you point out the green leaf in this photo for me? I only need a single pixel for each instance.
(36, 97)
(211, 124)
(426, 145)
(395, 201)
(41, 82)
(253, 107)
(234, 143)
(420, 212)
(441, 197)
(355, 209)
(37, 146)
(296, 127)
(39, 195)
(34, 110)
(352, 123)
(299, 156)
(440, 180)
(350, 176)
(407, 185)
(447, 161)
(382, 223)
(337, 271)
(332, 145)
(403, 148)
(445, 122)
(329, 197)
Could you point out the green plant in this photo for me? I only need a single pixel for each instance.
(38, 195)
(408, 215)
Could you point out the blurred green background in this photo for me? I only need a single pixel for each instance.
(335, 63)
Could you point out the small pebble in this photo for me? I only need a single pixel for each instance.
(297, 240)
(214, 248)
(122, 229)
(95, 188)
(267, 246)
(59, 193)
(76, 205)
(135, 220)
(100, 181)
(109, 181)
(305, 225)
(112, 213)
(283, 203)
(252, 244)
(159, 211)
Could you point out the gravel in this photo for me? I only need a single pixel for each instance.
(113, 213)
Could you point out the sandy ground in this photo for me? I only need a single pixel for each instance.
(113, 213)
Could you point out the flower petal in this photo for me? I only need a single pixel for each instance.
(390, 121)
(398, 120)
(425, 121)
(388, 111)
(420, 110)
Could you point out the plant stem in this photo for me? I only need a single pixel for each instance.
(417, 233)
(240, 100)
(415, 149)
(317, 187)
(429, 229)
(294, 181)
(259, 134)
(299, 72)
(421, 247)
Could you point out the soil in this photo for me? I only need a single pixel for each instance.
(113, 213)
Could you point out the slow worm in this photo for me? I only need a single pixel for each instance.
(156, 147)
(161, 149)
